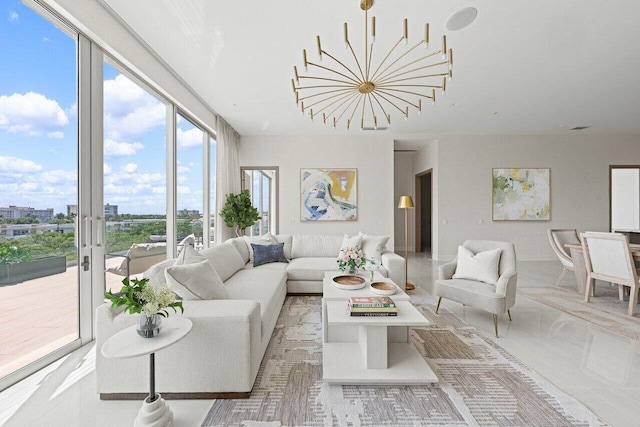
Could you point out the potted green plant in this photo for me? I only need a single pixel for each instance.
(139, 297)
(238, 212)
(18, 265)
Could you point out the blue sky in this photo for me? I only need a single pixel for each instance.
(38, 127)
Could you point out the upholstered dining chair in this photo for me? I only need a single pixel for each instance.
(558, 239)
(495, 298)
(608, 257)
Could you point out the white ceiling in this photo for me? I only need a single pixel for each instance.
(523, 67)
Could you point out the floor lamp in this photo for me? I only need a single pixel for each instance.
(406, 203)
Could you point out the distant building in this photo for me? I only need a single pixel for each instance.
(188, 212)
(72, 210)
(110, 210)
(14, 212)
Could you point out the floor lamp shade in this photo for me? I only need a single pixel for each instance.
(406, 202)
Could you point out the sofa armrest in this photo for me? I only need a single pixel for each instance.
(446, 271)
(226, 331)
(506, 286)
(395, 265)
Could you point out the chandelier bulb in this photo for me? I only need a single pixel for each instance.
(419, 106)
(426, 35)
(319, 48)
(311, 113)
(444, 85)
(373, 29)
(346, 36)
(304, 58)
(295, 73)
(450, 75)
(433, 97)
(405, 31)
(444, 48)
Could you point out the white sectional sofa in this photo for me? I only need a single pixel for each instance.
(221, 355)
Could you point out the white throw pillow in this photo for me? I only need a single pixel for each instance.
(372, 246)
(351, 241)
(189, 256)
(482, 266)
(197, 281)
(265, 239)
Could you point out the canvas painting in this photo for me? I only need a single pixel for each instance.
(521, 194)
(328, 194)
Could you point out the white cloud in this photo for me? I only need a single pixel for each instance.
(119, 149)
(183, 169)
(189, 138)
(13, 15)
(56, 135)
(46, 39)
(183, 189)
(31, 113)
(106, 169)
(130, 168)
(129, 110)
(14, 164)
(59, 176)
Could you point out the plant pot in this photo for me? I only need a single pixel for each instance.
(41, 267)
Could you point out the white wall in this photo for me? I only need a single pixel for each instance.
(91, 18)
(579, 186)
(372, 156)
(403, 184)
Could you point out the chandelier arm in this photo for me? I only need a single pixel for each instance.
(411, 93)
(364, 104)
(387, 85)
(319, 86)
(366, 45)
(357, 62)
(344, 100)
(386, 116)
(400, 57)
(322, 93)
(390, 74)
(373, 113)
(387, 57)
(383, 83)
(326, 79)
(353, 113)
(334, 71)
(369, 61)
(353, 99)
(401, 99)
(378, 93)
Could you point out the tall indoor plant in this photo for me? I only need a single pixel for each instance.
(238, 212)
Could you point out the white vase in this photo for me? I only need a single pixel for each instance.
(149, 326)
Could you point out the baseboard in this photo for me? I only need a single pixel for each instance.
(176, 396)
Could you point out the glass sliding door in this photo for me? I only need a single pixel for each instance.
(189, 191)
(39, 291)
(262, 185)
(134, 156)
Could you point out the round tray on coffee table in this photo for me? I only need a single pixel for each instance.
(349, 282)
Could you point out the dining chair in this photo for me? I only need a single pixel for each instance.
(607, 257)
(559, 238)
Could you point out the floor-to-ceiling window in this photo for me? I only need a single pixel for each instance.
(134, 169)
(190, 197)
(212, 189)
(39, 292)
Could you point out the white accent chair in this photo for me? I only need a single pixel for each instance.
(496, 299)
(608, 257)
(558, 239)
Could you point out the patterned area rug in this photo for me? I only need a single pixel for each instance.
(480, 383)
(605, 309)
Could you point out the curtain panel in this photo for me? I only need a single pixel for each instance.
(227, 174)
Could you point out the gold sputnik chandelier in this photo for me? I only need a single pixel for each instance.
(370, 89)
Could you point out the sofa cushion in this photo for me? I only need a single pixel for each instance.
(225, 259)
(373, 246)
(265, 239)
(195, 281)
(241, 247)
(470, 292)
(271, 266)
(189, 256)
(351, 242)
(155, 273)
(311, 268)
(287, 239)
(265, 286)
(265, 254)
(482, 266)
(316, 246)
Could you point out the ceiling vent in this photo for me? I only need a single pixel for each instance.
(580, 127)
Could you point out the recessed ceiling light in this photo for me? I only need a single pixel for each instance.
(461, 19)
(580, 127)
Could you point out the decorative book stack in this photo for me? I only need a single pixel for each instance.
(372, 306)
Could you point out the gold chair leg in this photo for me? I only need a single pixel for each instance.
(495, 324)
(438, 306)
(509, 313)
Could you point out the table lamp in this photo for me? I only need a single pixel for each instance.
(406, 203)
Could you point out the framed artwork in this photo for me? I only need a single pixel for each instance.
(521, 194)
(328, 194)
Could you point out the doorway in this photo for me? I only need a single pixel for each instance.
(262, 183)
(424, 208)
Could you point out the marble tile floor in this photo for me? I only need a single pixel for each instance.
(597, 367)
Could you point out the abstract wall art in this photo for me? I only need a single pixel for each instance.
(328, 194)
(521, 194)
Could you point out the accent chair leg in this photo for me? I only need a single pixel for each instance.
(564, 272)
(438, 306)
(589, 288)
(633, 299)
(621, 292)
(495, 324)
(509, 313)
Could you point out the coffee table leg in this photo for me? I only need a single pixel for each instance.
(154, 411)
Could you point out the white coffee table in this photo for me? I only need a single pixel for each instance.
(370, 350)
(127, 343)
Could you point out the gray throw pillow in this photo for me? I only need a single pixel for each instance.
(264, 254)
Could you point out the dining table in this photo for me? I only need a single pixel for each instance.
(580, 267)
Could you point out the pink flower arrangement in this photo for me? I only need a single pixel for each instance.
(350, 259)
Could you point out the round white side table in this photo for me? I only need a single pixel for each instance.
(127, 343)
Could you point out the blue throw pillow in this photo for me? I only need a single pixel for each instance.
(264, 254)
